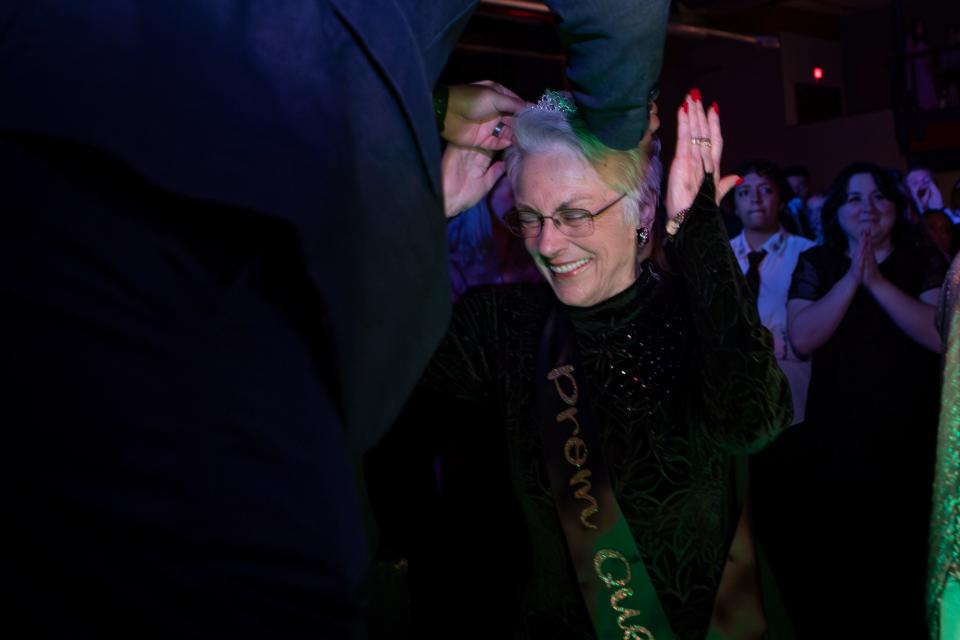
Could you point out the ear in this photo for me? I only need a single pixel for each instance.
(645, 219)
(646, 215)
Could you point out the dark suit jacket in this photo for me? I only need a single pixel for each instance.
(314, 111)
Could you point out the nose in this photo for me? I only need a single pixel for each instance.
(755, 196)
(550, 242)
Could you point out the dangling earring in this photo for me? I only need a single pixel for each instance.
(643, 235)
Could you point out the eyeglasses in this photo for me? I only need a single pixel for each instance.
(574, 223)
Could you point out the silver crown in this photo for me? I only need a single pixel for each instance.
(557, 101)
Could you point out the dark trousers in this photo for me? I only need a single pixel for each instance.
(178, 469)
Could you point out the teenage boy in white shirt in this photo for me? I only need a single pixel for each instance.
(767, 254)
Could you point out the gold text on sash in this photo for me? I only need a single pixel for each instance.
(575, 449)
(621, 591)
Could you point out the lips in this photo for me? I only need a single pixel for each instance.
(568, 269)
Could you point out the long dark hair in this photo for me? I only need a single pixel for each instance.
(887, 184)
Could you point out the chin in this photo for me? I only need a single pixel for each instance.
(571, 296)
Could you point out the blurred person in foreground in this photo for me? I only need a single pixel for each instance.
(210, 312)
(943, 586)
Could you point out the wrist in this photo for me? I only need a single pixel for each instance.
(850, 280)
(452, 210)
(674, 221)
(875, 283)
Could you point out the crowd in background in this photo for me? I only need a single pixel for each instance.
(484, 252)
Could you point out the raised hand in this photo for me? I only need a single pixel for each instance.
(930, 197)
(481, 115)
(467, 174)
(699, 149)
(926, 195)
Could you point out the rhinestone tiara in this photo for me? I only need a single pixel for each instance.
(560, 102)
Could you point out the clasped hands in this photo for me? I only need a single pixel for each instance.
(863, 262)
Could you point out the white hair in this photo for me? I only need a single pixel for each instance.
(636, 172)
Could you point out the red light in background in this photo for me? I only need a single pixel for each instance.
(817, 73)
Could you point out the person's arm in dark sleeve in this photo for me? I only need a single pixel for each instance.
(743, 397)
(615, 51)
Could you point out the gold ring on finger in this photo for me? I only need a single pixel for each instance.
(701, 141)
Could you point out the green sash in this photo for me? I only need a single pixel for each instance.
(622, 601)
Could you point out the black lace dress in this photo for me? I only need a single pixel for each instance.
(682, 376)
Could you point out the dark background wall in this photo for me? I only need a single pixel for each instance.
(868, 42)
(747, 82)
(754, 85)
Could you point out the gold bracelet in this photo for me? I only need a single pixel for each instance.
(673, 224)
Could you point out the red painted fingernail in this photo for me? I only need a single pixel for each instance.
(686, 107)
(716, 108)
(739, 182)
(695, 94)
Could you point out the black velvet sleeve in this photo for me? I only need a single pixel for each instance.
(461, 367)
(449, 407)
(742, 398)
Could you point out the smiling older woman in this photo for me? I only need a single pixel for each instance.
(584, 260)
(589, 424)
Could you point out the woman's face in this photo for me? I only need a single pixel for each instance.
(865, 208)
(581, 271)
(757, 203)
